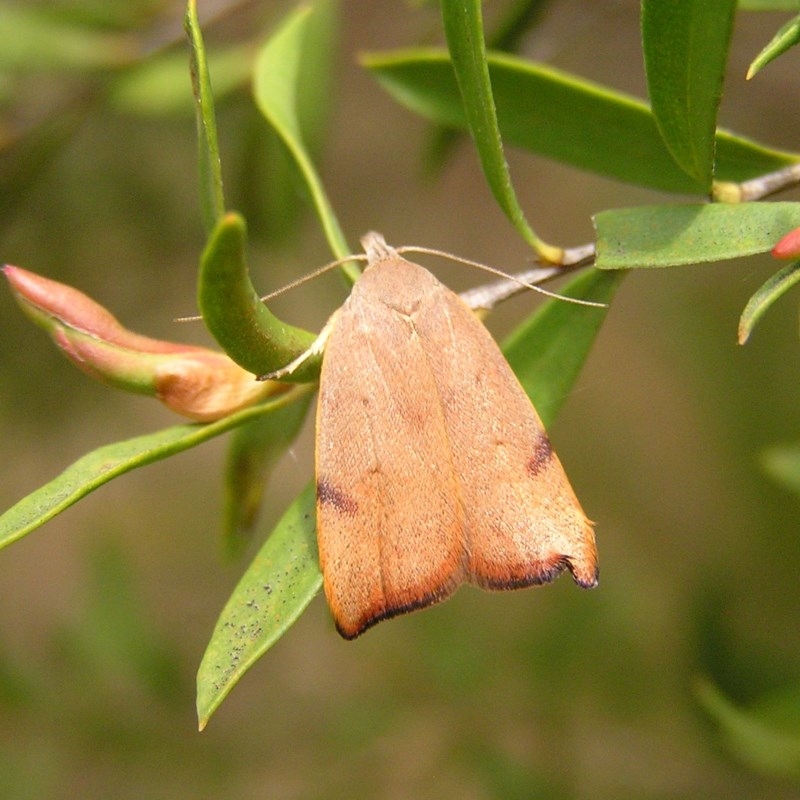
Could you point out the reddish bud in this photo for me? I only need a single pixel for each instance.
(789, 246)
(195, 382)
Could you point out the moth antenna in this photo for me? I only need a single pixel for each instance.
(313, 274)
(293, 284)
(493, 270)
(425, 251)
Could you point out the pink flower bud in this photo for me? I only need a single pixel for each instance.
(788, 246)
(195, 382)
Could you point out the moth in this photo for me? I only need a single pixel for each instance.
(433, 468)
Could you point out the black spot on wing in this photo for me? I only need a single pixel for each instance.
(541, 455)
(329, 495)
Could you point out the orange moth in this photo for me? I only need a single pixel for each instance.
(433, 468)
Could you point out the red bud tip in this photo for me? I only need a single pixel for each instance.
(789, 246)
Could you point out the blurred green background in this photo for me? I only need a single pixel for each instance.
(548, 693)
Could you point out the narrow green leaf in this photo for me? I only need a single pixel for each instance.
(314, 94)
(276, 79)
(775, 286)
(157, 86)
(39, 39)
(566, 118)
(768, 5)
(255, 450)
(766, 736)
(106, 463)
(211, 195)
(519, 19)
(685, 51)
(276, 588)
(782, 462)
(548, 349)
(787, 37)
(274, 196)
(463, 25)
(672, 235)
(244, 327)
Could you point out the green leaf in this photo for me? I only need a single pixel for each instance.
(788, 36)
(274, 191)
(255, 450)
(463, 25)
(232, 310)
(782, 462)
(566, 118)
(37, 39)
(685, 51)
(106, 463)
(547, 351)
(313, 94)
(671, 235)
(211, 195)
(768, 5)
(776, 286)
(276, 87)
(276, 588)
(520, 17)
(765, 736)
(157, 86)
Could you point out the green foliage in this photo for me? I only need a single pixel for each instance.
(786, 37)
(565, 117)
(766, 736)
(668, 236)
(256, 449)
(110, 461)
(276, 588)
(463, 27)
(277, 91)
(252, 336)
(676, 55)
(210, 167)
(774, 287)
(548, 350)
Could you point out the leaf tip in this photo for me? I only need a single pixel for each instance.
(743, 334)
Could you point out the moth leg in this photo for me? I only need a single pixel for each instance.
(317, 347)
